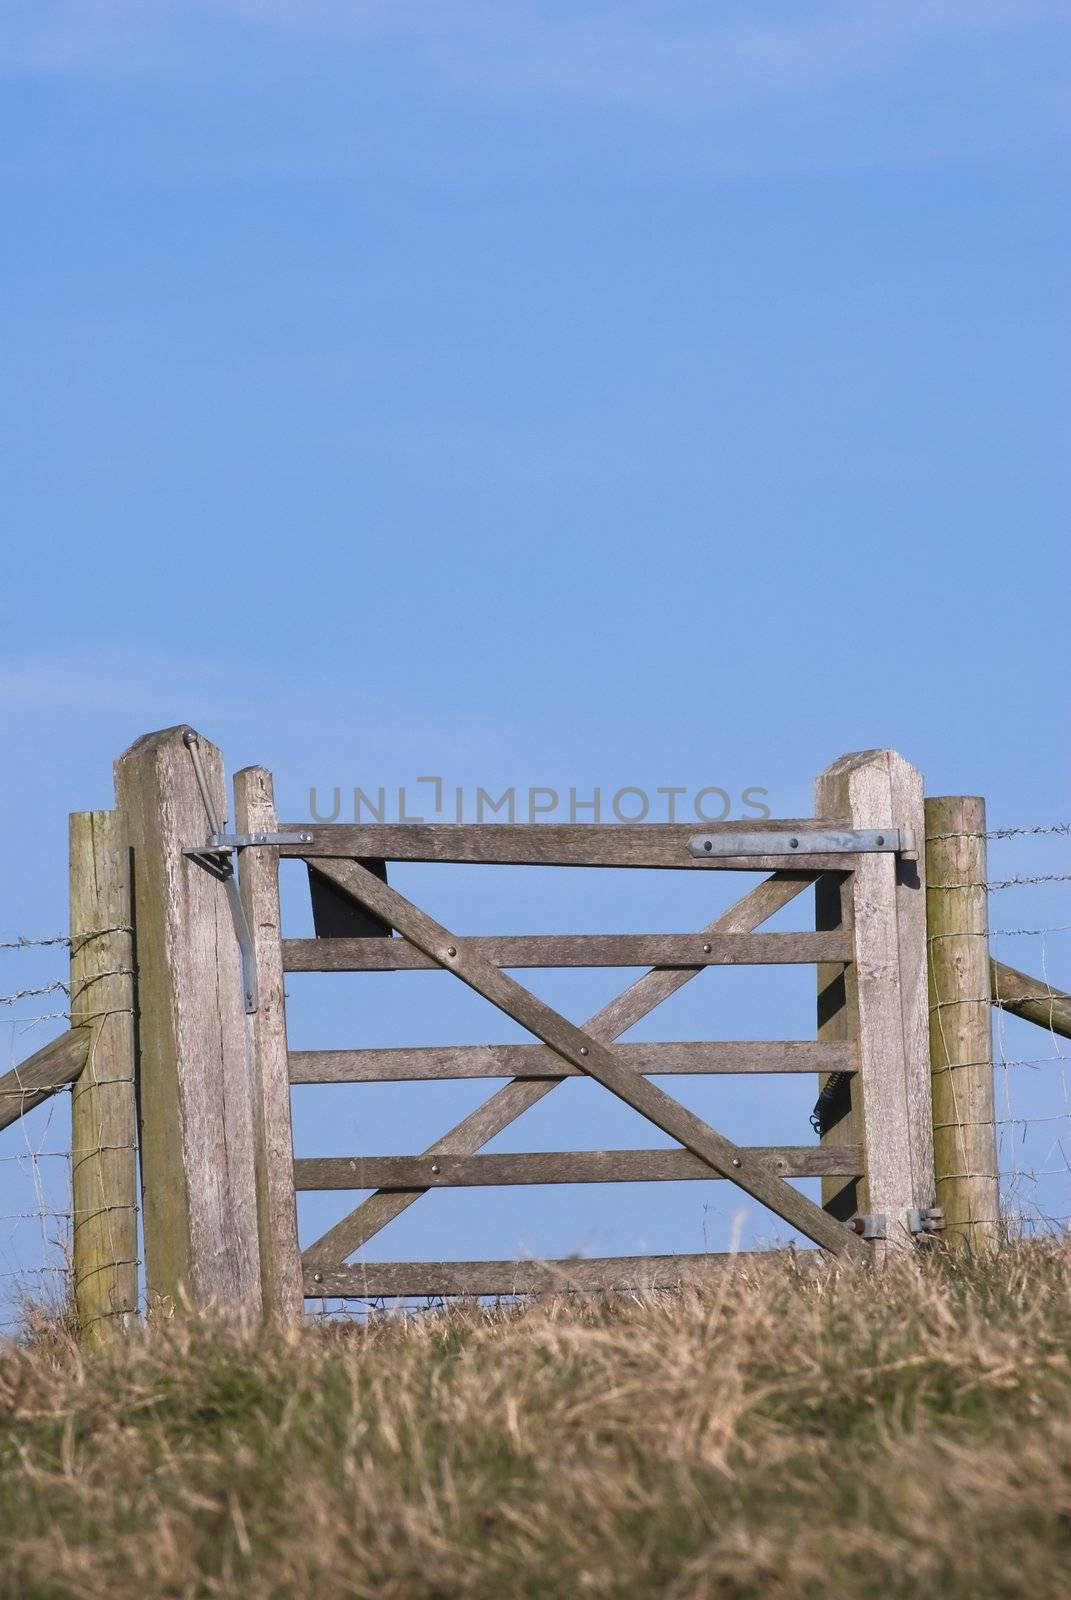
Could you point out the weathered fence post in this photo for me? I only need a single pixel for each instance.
(881, 995)
(961, 1038)
(280, 1263)
(196, 1090)
(103, 1121)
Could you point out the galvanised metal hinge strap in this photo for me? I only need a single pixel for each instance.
(806, 842)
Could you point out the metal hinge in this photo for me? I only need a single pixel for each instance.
(922, 1223)
(806, 842)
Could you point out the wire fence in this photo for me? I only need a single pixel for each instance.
(1030, 929)
(35, 1160)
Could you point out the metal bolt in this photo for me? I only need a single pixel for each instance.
(708, 844)
(706, 949)
(435, 1167)
(317, 1277)
(736, 1161)
(881, 838)
(451, 950)
(583, 1049)
(794, 843)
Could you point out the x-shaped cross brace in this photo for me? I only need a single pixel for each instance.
(586, 1049)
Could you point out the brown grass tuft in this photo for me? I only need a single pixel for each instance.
(907, 1434)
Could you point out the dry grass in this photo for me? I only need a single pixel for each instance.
(904, 1435)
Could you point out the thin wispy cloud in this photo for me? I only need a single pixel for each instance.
(639, 52)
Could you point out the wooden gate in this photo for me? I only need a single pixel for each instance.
(219, 1173)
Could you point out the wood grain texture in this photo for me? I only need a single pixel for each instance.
(878, 788)
(104, 1182)
(581, 844)
(196, 1101)
(572, 950)
(413, 1064)
(34, 1080)
(588, 1053)
(280, 1264)
(961, 1033)
(374, 1279)
(570, 1166)
(1031, 998)
(502, 1108)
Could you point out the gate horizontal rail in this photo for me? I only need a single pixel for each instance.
(573, 950)
(413, 1064)
(553, 844)
(570, 1166)
(373, 1280)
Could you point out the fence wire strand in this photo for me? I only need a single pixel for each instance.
(37, 1156)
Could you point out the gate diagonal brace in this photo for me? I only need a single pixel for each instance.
(594, 1059)
(219, 857)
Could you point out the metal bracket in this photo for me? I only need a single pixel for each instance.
(923, 1223)
(223, 845)
(219, 857)
(806, 842)
(868, 1225)
(927, 1222)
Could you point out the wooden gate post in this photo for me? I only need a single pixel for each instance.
(880, 998)
(196, 1096)
(104, 1232)
(280, 1261)
(961, 1038)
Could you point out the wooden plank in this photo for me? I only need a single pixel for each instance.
(369, 1280)
(196, 1102)
(966, 1164)
(573, 950)
(37, 1078)
(1030, 998)
(878, 788)
(513, 1099)
(412, 1064)
(280, 1262)
(571, 1166)
(104, 1175)
(587, 1052)
(582, 844)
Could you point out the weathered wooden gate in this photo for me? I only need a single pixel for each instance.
(219, 1175)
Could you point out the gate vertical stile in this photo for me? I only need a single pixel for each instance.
(280, 1265)
(881, 997)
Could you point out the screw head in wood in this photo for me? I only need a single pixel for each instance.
(706, 949)
(435, 1167)
(736, 1161)
(583, 1049)
(451, 950)
(317, 1277)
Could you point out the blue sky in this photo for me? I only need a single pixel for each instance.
(569, 394)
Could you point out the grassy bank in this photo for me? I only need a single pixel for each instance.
(905, 1435)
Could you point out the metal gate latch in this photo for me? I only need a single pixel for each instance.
(220, 858)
